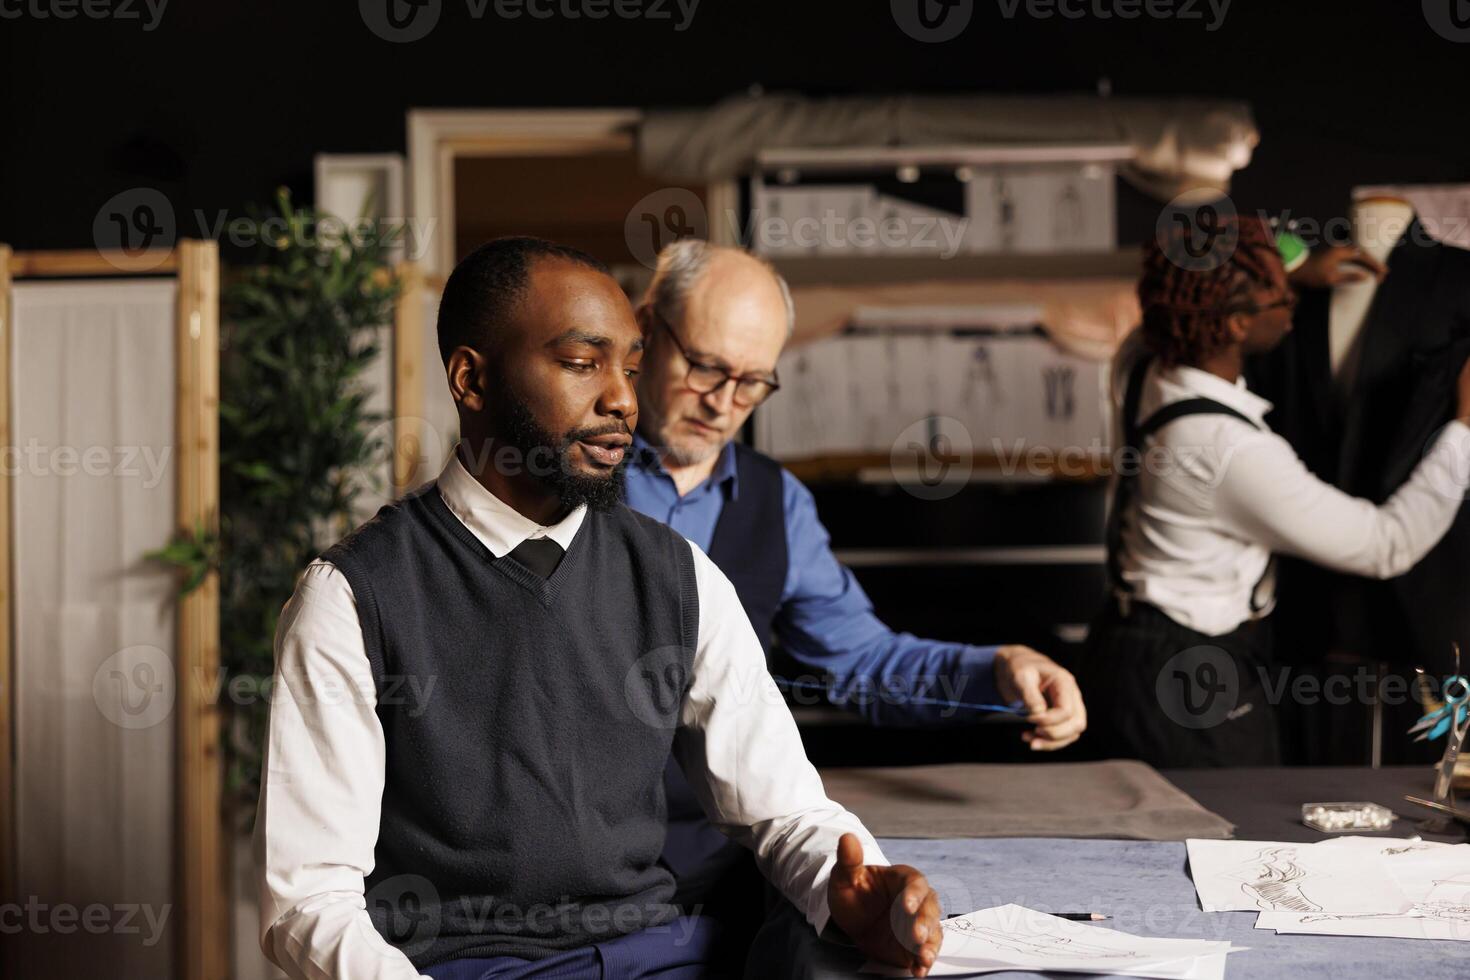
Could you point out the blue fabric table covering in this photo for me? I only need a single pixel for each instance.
(1146, 888)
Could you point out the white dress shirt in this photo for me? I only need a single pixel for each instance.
(321, 794)
(1215, 498)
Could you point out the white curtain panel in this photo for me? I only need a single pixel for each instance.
(93, 390)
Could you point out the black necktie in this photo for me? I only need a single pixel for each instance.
(540, 555)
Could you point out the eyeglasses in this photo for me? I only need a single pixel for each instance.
(1287, 302)
(706, 379)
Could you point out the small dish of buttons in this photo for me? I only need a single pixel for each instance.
(1339, 818)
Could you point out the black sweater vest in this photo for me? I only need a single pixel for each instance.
(527, 725)
(749, 542)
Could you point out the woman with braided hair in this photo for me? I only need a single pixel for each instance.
(1176, 670)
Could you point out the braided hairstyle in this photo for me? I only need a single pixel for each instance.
(1184, 309)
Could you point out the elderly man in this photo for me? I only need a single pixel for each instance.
(716, 320)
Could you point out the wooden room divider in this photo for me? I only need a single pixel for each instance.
(113, 794)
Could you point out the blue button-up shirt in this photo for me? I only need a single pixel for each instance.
(826, 621)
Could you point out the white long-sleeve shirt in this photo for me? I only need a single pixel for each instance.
(1215, 498)
(322, 788)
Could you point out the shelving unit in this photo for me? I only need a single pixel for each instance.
(875, 469)
(871, 270)
(1014, 551)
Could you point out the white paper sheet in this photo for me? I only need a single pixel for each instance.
(1012, 937)
(1434, 877)
(1211, 967)
(1382, 926)
(1330, 877)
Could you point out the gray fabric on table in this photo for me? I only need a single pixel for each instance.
(1118, 799)
(1144, 885)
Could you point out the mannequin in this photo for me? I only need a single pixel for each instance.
(1378, 224)
(1360, 386)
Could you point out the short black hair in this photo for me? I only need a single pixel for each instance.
(487, 284)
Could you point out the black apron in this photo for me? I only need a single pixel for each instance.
(1157, 690)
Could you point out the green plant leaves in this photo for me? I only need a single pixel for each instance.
(299, 329)
(195, 552)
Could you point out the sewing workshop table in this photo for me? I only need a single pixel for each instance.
(1265, 804)
(1145, 885)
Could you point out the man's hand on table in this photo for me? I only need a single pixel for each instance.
(889, 912)
(1049, 692)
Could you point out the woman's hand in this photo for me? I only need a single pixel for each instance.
(1335, 265)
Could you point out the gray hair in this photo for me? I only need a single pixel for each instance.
(680, 265)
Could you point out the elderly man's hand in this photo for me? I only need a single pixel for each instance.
(1050, 694)
(890, 913)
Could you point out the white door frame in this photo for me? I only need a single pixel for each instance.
(437, 137)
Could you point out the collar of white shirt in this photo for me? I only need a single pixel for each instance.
(1179, 383)
(499, 526)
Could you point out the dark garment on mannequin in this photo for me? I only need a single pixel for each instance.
(1413, 342)
(1367, 442)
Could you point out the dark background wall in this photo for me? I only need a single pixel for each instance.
(223, 101)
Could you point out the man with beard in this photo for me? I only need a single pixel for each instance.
(477, 691)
